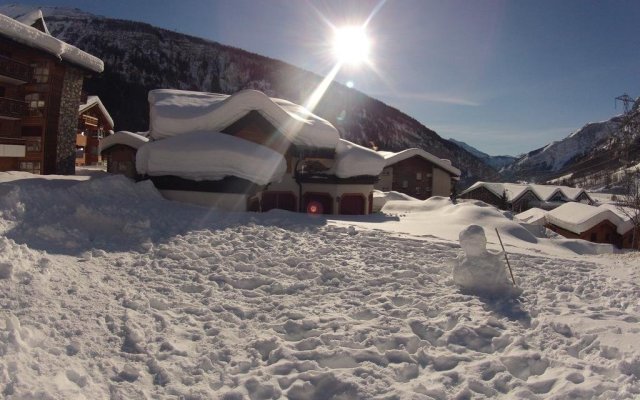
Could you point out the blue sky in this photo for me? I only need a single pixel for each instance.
(504, 76)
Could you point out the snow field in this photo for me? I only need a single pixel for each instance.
(173, 301)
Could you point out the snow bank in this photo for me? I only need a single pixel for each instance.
(32, 37)
(125, 138)
(353, 160)
(210, 156)
(381, 198)
(176, 112)
(110, 291)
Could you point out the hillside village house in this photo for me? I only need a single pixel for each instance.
(94, 123)
(603, 224)
(521, 197)
(417, 173)
(246, 152)
(41, 81)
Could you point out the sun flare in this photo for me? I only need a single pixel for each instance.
(351, 45)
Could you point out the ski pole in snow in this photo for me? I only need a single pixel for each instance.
(505, 257)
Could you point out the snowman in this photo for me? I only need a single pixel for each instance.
(480, 271)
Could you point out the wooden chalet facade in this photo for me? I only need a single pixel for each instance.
(418, 174)
(94, 123)
(39, 97)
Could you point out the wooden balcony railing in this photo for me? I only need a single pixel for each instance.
(15, 69)
(12, 108)
(12, 141)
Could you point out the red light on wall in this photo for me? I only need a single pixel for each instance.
(314, 208)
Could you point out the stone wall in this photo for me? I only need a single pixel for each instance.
(68, 121)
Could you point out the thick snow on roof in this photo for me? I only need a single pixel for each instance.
(579, 217)
(92, 101)
(353, 160)
(533, 216)
(32, 37)
(32, 17)
(392, 158)
(123, 137)
(625, 215)
(175, 112)
(515, 190)
(210, 156)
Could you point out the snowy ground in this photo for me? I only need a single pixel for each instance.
(109, 291)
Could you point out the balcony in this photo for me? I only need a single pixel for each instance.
(12, 147)
(15, 72)
(12, 109)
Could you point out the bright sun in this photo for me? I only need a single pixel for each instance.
(351, 45)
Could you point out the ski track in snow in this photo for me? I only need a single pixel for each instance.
(241, 306)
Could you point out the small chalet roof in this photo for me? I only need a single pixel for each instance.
(210, 156)
(353, 160)
(392, 158)
(579, 217)
(515, 190)
(125, 138)
(624, 214)
(533, 216)
(32, 37)
(33, 17)
(176, 112)
(93, 101)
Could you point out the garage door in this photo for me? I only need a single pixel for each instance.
(352, 204)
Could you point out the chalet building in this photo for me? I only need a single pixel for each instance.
(246, 152)
(41, 81)
(94, 123)
(521, 197)
(417, 173)
(604, 224)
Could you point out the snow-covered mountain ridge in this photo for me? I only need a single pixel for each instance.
(496, 162)
(588, 157)
(139, 57)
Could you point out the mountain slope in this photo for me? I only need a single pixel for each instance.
(139, 57)
(588, 157)
(496, 162)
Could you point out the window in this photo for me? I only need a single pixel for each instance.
(417, 189)
(30, 166)
(33, 144)
(40, 72)
(419, 176)
(594, 237)
(405, 184)
(2, 91)
(35, 103)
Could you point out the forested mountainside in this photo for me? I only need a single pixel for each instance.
(139, 57)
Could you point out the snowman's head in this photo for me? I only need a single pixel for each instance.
(473, 241)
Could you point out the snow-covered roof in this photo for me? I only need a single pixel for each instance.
(516, 190)
(624, 213)
(33, 37)
(32, 17)
(123, 137)
(210, 156)
(392, 158)
(533, 216)
(92, 101)
(579, 217)
(353, 160)
(176, 112)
